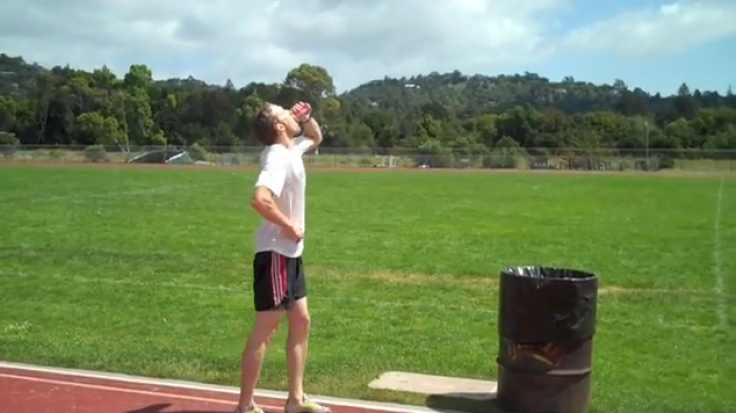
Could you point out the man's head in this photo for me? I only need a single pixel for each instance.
(274, 124)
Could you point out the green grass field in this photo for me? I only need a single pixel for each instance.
(147, 271)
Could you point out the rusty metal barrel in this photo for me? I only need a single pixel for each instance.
(546, 324)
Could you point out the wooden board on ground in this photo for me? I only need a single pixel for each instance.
(453, 387)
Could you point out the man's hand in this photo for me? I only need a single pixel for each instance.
(292, 232)
(301, 111)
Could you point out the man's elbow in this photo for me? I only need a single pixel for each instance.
(255, 203)
(313, 132)
(259, 199)
(262, 198)
(317, 136)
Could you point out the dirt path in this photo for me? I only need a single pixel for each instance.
(667, 173)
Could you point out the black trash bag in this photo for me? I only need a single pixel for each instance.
(543, 304)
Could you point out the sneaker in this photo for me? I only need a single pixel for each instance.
(252, 409)
(305, 406)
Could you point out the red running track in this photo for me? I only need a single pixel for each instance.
(31, 391)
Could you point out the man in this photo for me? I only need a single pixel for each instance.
(278, 274)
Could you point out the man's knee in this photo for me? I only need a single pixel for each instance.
(299, 314)
(301, 319)
(265, 324)
(261, 337)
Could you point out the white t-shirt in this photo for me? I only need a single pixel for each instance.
(283, 172)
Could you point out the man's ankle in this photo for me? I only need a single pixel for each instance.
(295, 399)
(245, 407)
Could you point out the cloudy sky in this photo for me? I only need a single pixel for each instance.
(648, 43)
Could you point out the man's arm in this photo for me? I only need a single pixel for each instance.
(313, 132)
(262, 201)
(270, 182)
(311, 137)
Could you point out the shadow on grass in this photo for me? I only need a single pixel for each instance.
(464, 402)
(161, 408)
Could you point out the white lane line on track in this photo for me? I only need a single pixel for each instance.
(720, 288)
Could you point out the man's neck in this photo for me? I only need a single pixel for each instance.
(283, 140)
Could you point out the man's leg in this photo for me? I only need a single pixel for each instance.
(269, 280)
(297, 342)
(264, 324)
(296, 348)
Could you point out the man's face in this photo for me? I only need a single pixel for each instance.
(285, 121)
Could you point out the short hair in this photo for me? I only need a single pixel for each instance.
(264, 125)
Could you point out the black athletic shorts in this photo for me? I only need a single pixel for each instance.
(278, 281)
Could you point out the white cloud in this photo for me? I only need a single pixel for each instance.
(654, 31)
(355, 40)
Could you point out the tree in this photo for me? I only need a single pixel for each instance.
(7, 113)
(97, 128)
(449, 116)
(313, 79)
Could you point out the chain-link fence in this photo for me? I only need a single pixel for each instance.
(531, 158)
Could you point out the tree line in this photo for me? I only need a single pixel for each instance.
(434, 113)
